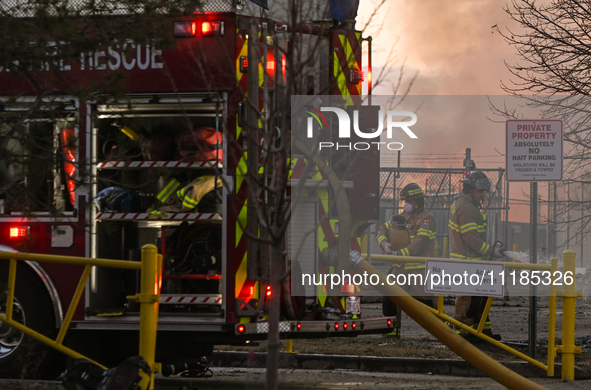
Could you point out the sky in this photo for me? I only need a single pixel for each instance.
(454, 50)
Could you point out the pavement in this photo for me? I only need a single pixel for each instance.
(246, 370)
(454, 367)
(322, 372)
(225, 378)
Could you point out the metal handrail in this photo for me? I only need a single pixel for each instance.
(151, 270)
(569, 294)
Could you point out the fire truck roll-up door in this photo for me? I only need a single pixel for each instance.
(302, 254)
(149, 152)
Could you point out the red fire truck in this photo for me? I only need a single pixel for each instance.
(99, 179)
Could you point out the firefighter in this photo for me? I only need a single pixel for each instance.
(411, 233)
(467, 233)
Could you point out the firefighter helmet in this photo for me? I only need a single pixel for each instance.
(411, 191)
(477, 179)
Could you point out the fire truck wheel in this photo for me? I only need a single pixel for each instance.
(22, 356)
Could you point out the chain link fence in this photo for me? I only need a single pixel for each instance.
(441, 187)
(29, 8)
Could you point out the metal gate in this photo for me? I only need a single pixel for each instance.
(441, 186)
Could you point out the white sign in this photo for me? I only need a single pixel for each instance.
(465, 277)
(534, 150)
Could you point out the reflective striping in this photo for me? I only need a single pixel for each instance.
(458, 256)
(404, 252)
(240, 275)
(168, 190)
(454, 226)
(467, 227)
(157, 164)
(484, 248)
(381, 238)
(347, 56)
(340, 67)
(188, 202)
(191, 299)
(159, 215)
(427, 233)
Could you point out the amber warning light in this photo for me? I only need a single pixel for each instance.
(209, 29)
(19, 232)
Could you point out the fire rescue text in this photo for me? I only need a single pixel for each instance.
(118, 55)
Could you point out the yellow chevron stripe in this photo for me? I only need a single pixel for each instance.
(241, 170)
(352, 63)
(240, 276)
(241, 220)
(339, 74)
(238, 128)
(321, 295)
(243, 53)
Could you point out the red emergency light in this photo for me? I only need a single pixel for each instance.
(19, 232)
(355, 76)
(210, 29)
(270, 64)
(268, 292)
(241, 328)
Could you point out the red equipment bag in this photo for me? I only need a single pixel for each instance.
(68, 139)
(202, 144)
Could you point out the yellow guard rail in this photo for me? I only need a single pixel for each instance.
(149, 296)
(568, 294)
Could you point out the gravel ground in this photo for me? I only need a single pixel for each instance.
(510, 320)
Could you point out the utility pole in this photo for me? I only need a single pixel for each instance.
(550, 224)
(554, 208)
(582, 219)
(567, 215)
(533, 299)
(468, 162)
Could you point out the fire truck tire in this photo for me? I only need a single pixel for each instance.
(21, 356)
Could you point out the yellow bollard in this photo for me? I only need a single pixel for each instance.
(515, 249)
(149, 298)
(569, 294)
(289, 345)
(552, 318)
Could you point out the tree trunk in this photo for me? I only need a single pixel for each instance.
(274, 309)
